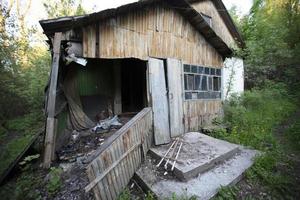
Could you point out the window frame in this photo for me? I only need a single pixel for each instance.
(210, 93)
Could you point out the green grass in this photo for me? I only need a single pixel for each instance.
(3, 133)
(25, 129)
(126, 195)
(252, 119)
(293, 135)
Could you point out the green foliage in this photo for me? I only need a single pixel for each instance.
(25, 187)
(182, 197)
(62, 8)
(125, 195)
(12, 150)
(265, 170)
(27, 126)
(252, 116)
(227, 193)
(271, 33)
(54, 182)
(3, 132)
(149, 196)
(293, 135)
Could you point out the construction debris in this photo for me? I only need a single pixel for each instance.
(176, 157)
(107, 124)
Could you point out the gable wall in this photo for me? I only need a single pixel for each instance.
(207, 7)
(149, 32)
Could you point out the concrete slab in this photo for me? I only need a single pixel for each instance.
(204, 186)
(199, 153)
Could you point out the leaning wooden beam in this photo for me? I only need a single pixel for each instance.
(51, 121)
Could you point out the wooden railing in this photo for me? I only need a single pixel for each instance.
(114, 164)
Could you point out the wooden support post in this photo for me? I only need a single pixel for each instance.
(51, 121)
(118, 89)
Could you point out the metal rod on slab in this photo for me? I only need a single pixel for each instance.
(176, 156)
(172, 154)
(165, 154)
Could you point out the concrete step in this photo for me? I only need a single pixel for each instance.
(199, 153)
(204, 186)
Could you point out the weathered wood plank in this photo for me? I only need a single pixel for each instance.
(200, 112)
(115, 165)
(51, 121)
(100, 177)
(153, 32)
(174, 70)
(159, 101)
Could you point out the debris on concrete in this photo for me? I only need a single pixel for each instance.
(212, 163)
(199, 153)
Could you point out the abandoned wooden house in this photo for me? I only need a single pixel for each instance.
(160, 60)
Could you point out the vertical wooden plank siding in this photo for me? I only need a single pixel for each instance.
(152, 31)
(112, 169)
(200, 112)
(207, 7)
(89, 41)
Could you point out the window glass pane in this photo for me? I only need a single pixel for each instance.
(206, 95)
(197, 82)
(212, 71)
(218, 72)
(194, 95)
(188, 95)
(194, 69)
(187, 68)
(200, 70)
(201, 95)
(210, 83)
(207, 71)
(190, 82)
(216, 83)
(204, 83)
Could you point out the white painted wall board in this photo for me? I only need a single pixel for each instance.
(232, 77)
